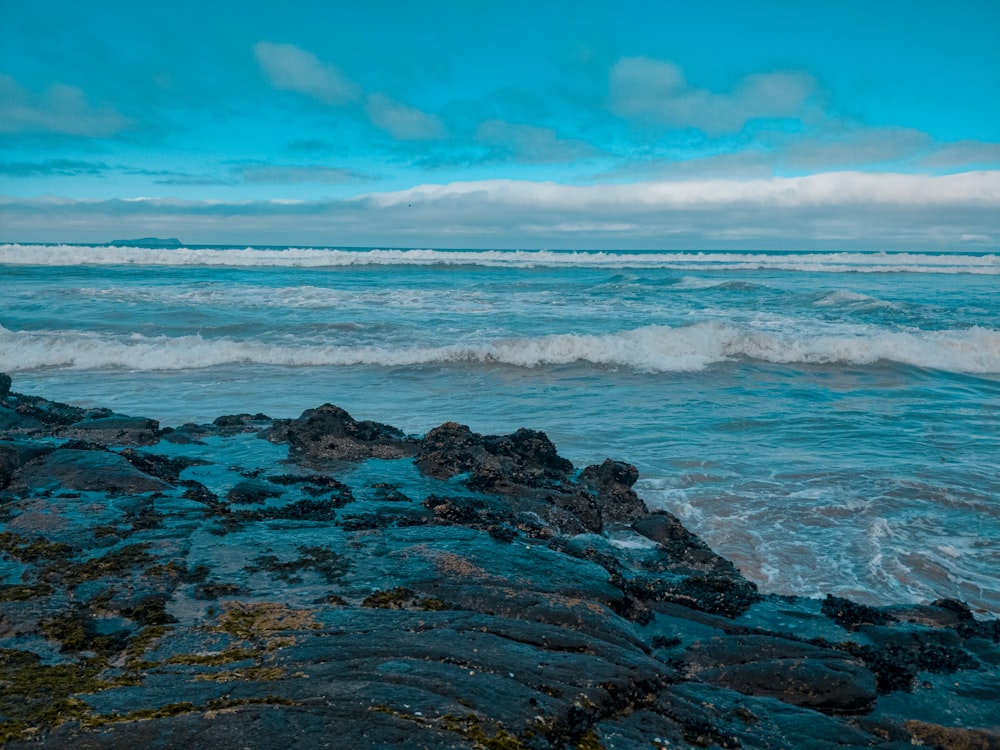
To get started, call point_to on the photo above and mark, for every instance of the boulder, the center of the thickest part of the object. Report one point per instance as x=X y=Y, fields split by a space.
x=611 y=483
x=330 y=433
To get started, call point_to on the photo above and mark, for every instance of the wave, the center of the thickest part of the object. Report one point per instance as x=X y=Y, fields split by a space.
x=843 y=298
x=690 y=348
x=250 y=257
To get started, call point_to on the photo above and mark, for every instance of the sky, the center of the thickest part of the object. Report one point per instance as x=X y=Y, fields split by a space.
x=635 y=125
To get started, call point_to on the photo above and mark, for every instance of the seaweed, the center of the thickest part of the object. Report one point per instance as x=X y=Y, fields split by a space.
x=322 y=560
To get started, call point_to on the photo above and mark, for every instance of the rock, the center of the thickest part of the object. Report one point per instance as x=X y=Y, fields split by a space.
x=900 y=653
x=469 y=601
x=87 y=470
x=679 y=544
x=251 y=491
x=611 y=482
x=5 y=383
x=15 y=423
x=330 y=433
x=796 y=673
x=851 y=615
x=115 y=430
x=233 y=424
x=15 y=453
x=501 y=464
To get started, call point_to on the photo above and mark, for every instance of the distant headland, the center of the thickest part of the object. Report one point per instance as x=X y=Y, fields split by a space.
x=149 y=242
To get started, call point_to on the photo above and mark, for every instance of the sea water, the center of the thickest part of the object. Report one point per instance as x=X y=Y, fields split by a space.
x=828 y=421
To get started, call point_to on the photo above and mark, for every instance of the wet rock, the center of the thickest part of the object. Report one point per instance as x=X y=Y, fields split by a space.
x=679 y=544
x=851 y=615
x=502 y=464
x=951 y=738
x=234 y=424
x=16 y=453
x=31 y=411
x=251 y=491
x=611 y=482
x=115 y=430
x=796 y=673
x=5 y=383
x=162 y=467
x=329 y=433
x=900 y=653
x=88 y=470
x=518 y=605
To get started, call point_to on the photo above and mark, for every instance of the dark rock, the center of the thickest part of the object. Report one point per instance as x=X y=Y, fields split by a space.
x=99 y=471
x=852 y=615
x=234 y=424
x=680 y=545
x=484 y=612
x=115 y=430
x=796 y=673
x=49 y=414
x=900 y=653
x=329 y=433
x=727 y=595
x=5 y=383
x=502 y=464
x=250 y=491
x=162 y=467
x=16 y=453
x=612 y=482
x=14 y=423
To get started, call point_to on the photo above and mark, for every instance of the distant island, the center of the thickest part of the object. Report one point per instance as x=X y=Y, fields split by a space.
x=149 y=242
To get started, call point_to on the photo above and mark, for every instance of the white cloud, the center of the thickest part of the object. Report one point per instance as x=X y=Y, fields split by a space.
x=401 y=121
x=61 y=109
x=290 y=68
x=655 y=91
x=528 y=143
x=829 y=189
x=837 y=210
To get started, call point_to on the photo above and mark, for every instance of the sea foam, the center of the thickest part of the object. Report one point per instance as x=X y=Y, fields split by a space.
x=649 y=349
x=250 y=257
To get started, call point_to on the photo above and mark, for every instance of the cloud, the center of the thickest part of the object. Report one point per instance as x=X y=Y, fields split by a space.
x=655 y=91
x=53 y=168
x=824 y=190
x=401 y=121
x=528 y=143
x=290 y=68
x=299 y=174
x=856 y=148
x=61 y=109
x=967 y=154
x=837 y=210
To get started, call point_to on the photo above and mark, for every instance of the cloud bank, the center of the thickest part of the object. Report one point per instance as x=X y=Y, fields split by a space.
x=843 y=210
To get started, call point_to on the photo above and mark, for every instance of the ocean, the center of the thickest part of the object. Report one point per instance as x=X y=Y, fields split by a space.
x=828 y=421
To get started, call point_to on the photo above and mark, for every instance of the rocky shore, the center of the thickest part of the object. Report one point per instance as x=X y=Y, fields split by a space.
x=327 y=582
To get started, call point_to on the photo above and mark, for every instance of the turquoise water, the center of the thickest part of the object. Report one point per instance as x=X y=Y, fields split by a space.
x=829 y=421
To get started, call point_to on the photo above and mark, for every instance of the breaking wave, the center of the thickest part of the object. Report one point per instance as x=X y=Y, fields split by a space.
x=974 y=350
x=250 y=257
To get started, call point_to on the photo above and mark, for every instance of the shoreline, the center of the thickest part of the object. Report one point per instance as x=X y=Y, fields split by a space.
x=189 y=584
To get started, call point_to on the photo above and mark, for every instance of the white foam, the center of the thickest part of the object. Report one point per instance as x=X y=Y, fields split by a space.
x=81 y=255
x=650 y=349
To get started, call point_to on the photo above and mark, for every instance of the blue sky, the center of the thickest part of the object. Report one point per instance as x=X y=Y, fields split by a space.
x=856 y=125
